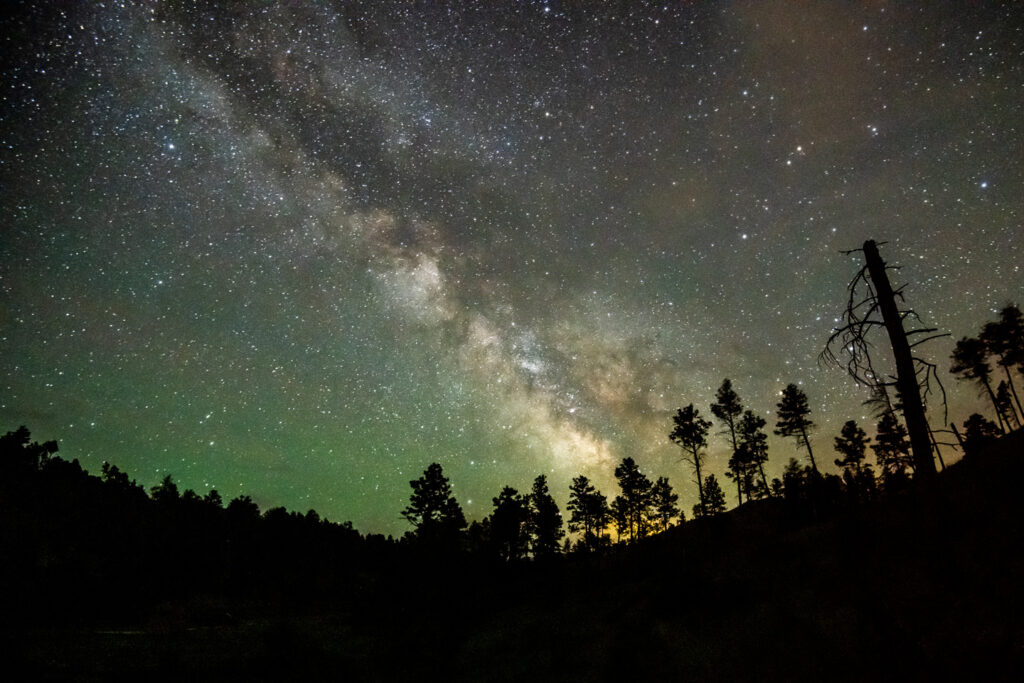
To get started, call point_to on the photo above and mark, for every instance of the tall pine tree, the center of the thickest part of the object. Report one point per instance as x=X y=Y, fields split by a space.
x=970 y=362
x=545 y=520
x=755 y=441
x=892 y=450
x=1004 y=339
x=433 y=509
x=852 y=444
x=664 y=502
x=635 y=499
x=793 y=421
x=588 y=513
x=691 y=434
x=509 y=524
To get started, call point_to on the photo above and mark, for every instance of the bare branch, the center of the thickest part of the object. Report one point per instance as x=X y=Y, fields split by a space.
x=849 y=346
x=928 y=339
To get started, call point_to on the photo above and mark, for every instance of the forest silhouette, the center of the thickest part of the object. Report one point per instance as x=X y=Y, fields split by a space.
x=874 y=572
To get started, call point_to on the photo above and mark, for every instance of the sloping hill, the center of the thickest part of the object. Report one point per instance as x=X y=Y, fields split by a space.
x=924 y=585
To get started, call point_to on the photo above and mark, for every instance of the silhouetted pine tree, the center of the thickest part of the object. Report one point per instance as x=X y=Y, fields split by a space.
x=970 y=362
x=714 y=502
x=166 y=492
x=1004 y=403
x=243 y=509
x=727 y=408
x=545 y=520
x=19 y=457
x=618 y=514
x=852 y=444
x=635 y=502
x=742 y=470
x=213 y=498
x=433 y=509
x=665 y=504
x=691 y=434
x=892 y=450
x=589 y=513
x=755 y=441
x=793 y=421
x=978 y=434
x=510 y=525
x=793 y=476
x=1005 y=340
x=858 y=476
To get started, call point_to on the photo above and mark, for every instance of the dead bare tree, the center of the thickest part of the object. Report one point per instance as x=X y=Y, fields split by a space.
x=872 y=304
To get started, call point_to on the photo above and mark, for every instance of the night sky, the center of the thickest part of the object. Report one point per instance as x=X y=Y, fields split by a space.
x=301 y=250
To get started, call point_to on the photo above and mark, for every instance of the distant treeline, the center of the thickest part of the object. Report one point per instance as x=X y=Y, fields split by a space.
x=78 y=544
x=100 y=546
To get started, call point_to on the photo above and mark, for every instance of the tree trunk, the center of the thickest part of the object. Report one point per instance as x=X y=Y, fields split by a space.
x=1013 y=390
x=700 y=483
x=810 y=453
x=739 y=483
x=995 y=404
x=906 y=375
x=935 y=445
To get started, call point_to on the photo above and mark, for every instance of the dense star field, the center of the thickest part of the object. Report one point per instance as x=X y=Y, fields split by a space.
x=302 y=249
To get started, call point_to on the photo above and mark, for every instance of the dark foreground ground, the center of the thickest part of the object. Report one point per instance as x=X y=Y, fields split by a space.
x=927 y=585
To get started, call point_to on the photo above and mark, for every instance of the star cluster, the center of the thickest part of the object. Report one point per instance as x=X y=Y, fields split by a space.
x=303 y=249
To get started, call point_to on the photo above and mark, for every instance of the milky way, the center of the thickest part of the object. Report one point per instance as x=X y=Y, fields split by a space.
x=301 y=250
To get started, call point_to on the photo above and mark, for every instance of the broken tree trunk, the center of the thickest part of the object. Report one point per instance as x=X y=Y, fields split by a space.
x=906 y=375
